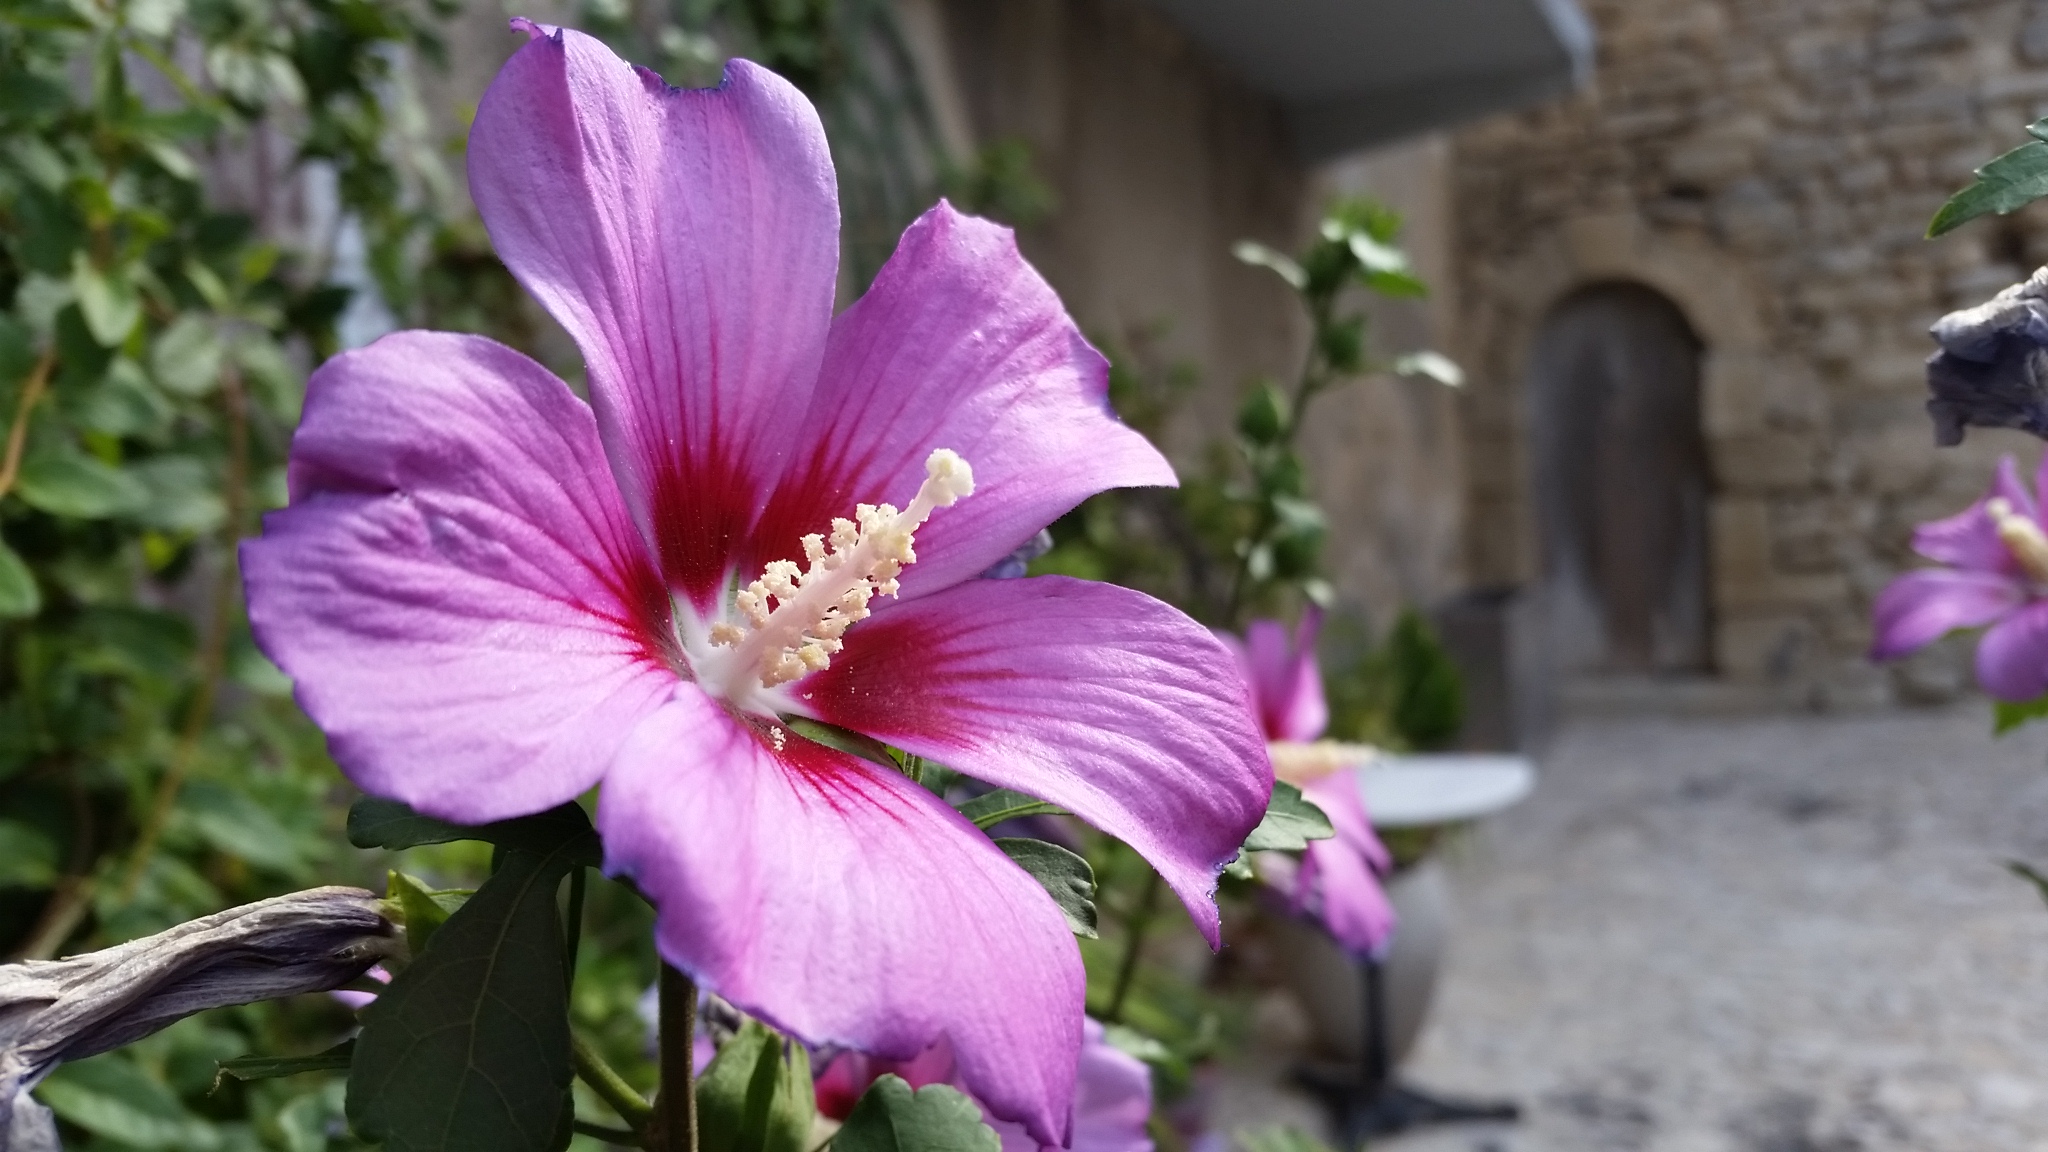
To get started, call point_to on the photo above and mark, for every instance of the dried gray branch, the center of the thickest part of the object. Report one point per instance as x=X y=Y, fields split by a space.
x=57 y=1010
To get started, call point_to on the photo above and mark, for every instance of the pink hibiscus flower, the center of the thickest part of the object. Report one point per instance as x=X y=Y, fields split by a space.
x=1111 y=1108
x=1996 y=573
x=494 y=597
x=1338 y=879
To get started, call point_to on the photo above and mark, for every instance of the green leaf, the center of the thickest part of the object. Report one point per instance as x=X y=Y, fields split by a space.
x=1066 y=877
x=187 y=357
x=110 y=1096
x=843 y=739
x=28 y=857
x=1254 y=253
x=108 y=301
x=1435 y=365
x=182 y=495
x=935 y=1118
x=425 y=909
x=992 y=808
x=123 y=402
x=276 y=1067
x=2008 y=715
x=1263 y=417
x=1291 y=821
x=19 y=596
x=70 y=483
x=468 y=1049
x=232 y=822
x=2010 y=182
x=756 y=1096
x=374 y=822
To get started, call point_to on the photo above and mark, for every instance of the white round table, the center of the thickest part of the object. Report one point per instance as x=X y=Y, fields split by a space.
x=1423 y=790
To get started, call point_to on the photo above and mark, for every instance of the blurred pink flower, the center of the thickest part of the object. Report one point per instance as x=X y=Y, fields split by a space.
x=1112 y=1103
x=493 y=596
x=1338 y=879
x=1995 y=572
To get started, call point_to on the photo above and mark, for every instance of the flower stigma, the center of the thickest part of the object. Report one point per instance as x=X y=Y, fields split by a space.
x=791 y=621
x=2022 y=537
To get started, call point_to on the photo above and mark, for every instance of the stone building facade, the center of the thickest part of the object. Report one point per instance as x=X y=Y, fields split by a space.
x=1768 y=167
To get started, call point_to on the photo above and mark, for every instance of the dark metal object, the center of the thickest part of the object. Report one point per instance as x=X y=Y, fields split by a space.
x=1368 y=1100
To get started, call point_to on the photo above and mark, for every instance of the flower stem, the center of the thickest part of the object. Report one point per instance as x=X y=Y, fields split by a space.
x=17 y=432
x=1139 y=923
x=675 y=1122
x=609 y=1085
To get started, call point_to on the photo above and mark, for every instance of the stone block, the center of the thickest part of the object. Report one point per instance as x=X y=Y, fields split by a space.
x=1763 y=461
x=1765 y=649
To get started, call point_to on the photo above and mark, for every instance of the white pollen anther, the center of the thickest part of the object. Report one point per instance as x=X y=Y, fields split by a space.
x=2021 y=536
x=791 y=621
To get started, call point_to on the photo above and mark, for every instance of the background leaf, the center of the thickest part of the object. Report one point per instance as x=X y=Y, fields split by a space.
x=935 y=1118
x=992 y=808
x=1067 y=878
x=468 y=1050
x=2010 y=182
x=19 y=596
x=1291 y=821
x=756 y=1096
x=374 y=822
x=76 y=485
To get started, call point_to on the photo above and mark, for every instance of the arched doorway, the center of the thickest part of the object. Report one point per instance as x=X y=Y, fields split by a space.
x=1621 y=483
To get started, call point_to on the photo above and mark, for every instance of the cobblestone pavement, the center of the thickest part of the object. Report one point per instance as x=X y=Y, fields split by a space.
x=1772 y=934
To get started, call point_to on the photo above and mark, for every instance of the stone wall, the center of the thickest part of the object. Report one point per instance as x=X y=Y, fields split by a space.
x=1770 y=166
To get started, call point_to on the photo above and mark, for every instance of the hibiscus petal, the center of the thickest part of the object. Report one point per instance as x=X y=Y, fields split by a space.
x=688 y=240
x=960 y=345
x=1111 y=1108
x=1969 y=539
x=845 y=904
x=1285 y=678
x=1345 y=869
x=2012 y=659
x=456 y=589
x=1097 y=698
x=1921 y=607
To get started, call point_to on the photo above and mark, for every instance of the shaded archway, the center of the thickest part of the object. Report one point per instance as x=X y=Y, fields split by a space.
x=1621 y=482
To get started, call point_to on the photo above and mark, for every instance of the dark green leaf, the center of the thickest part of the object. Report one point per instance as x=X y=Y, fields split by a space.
x=992 y=808
x=374 y=822
x=756 y=1096
x=232 y=822
x=107 y=300
x=70 y=483
x=274 y=1067
x=1262 y=418
x=1291 y=821
x=2008 y=715
x=468 y=1050
x=844 y=739
x=19 y=596
x=935 y=1118
x=1066 y=877
x=28 y=857
x=110 y=1096
x=2010 y=182
x=182 y=495
x=187 y=357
